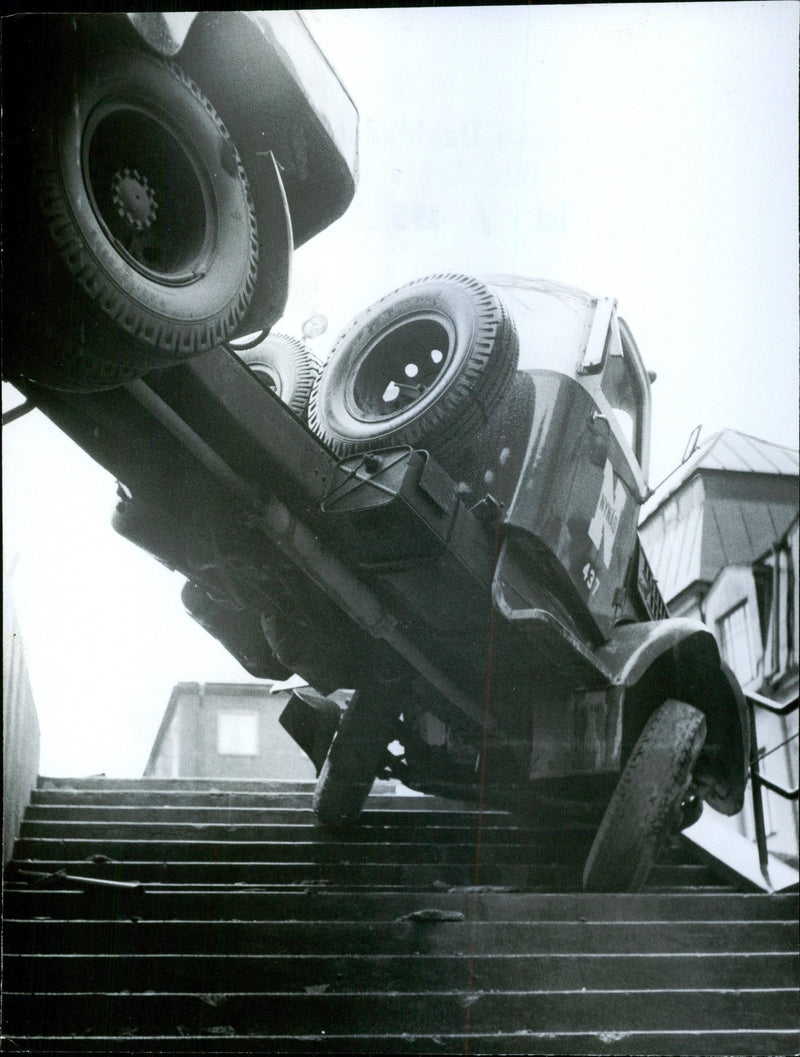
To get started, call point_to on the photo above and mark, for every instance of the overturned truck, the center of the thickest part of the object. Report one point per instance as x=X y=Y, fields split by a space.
x=442 y=517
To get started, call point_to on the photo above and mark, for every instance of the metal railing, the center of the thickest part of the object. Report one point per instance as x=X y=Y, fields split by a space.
x=758 y=782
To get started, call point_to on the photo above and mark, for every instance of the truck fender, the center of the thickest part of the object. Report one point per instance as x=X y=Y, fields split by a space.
x=679 y=658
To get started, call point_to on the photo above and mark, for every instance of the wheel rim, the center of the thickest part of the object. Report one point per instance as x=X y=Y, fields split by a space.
x=149 y=193
x=400 y=368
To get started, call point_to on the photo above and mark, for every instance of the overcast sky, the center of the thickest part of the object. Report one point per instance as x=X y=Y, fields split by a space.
x=642 y=151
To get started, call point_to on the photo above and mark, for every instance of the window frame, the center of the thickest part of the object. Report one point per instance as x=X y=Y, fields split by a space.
x=239 y=713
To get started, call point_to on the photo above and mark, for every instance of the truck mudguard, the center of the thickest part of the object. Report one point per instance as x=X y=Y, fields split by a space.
x=690 y=669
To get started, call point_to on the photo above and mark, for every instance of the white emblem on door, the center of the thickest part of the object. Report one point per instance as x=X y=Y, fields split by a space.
x=604 y=524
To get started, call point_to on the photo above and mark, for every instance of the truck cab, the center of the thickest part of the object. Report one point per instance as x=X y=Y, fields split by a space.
x=585 y=471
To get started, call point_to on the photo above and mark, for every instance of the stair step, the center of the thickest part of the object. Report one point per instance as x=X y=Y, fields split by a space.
x=257 y=785
x=251 y=830
x=214 y=797
x=269 y=851
x=164 y=810
x=317 y=904
x=745 y=1042
x=554 y=876
x=367 y=1012
x=431 y=927
x=420 y=937
x=357 y=972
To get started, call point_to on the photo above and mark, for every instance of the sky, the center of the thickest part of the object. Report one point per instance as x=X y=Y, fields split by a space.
x=646 y=152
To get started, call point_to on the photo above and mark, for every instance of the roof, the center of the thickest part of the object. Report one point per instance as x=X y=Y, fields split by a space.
x=727 y=450
x=725 y=505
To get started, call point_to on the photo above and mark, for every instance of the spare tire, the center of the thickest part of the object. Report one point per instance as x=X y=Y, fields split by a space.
x=425 y=366
x=143 y=238
x=286 y=366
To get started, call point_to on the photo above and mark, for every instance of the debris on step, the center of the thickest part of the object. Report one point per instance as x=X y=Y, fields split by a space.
x=432 y=914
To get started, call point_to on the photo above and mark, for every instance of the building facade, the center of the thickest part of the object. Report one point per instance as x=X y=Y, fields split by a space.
x=226 y=730
x=721 y=535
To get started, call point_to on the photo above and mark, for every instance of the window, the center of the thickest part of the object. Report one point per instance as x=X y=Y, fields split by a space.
x=237 y=733
x=623 y=392
x=736 y=642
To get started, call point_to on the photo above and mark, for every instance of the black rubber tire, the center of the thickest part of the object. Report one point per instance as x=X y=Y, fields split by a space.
x=453 y=334
x=286 y=366
x=647 y=801
x=106 y=213
x=344 y=783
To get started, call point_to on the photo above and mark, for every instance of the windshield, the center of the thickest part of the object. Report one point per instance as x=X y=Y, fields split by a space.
x=621 y=388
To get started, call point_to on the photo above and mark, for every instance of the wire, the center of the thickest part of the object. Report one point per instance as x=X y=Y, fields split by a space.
x=768 y=752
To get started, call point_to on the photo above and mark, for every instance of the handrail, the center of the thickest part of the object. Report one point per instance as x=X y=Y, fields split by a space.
x=757 y=781
x=759 y=701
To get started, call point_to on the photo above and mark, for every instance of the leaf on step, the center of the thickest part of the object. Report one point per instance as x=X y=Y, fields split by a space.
x=221 y=1029
x=214 y=1000
x=433 y=914
x=316 y=989
x=98 y=858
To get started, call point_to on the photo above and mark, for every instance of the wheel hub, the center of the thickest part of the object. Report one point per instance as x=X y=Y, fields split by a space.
x=134 y=199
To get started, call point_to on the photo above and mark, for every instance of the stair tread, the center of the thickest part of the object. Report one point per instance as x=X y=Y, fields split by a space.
x=282 y=1012
x=483 y=904
x=709 y=1041
x=250 y=926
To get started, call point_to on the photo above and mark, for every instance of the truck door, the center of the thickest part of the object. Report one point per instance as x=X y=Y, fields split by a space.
x=571 y=523
x=608 y=483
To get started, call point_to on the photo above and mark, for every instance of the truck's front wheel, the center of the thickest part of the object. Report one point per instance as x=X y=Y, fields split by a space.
x=648 y=799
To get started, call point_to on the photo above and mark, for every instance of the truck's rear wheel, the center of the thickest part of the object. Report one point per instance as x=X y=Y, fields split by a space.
x=647 y=801
x=286 y=366
x=351 y=766
x=144 y=234
x=425 y=366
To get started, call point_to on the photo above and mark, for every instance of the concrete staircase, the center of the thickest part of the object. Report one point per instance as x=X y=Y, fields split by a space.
x=235 y=923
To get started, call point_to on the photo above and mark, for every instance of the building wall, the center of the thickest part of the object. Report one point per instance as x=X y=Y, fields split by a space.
x=724 y=549
x=753 y=612
x=730 y=608
x=227 y=730
x=20 y=730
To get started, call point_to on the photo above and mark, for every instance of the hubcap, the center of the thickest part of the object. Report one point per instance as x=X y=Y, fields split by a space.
x=150 y=192
x=400 y=368
x=134 y=198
